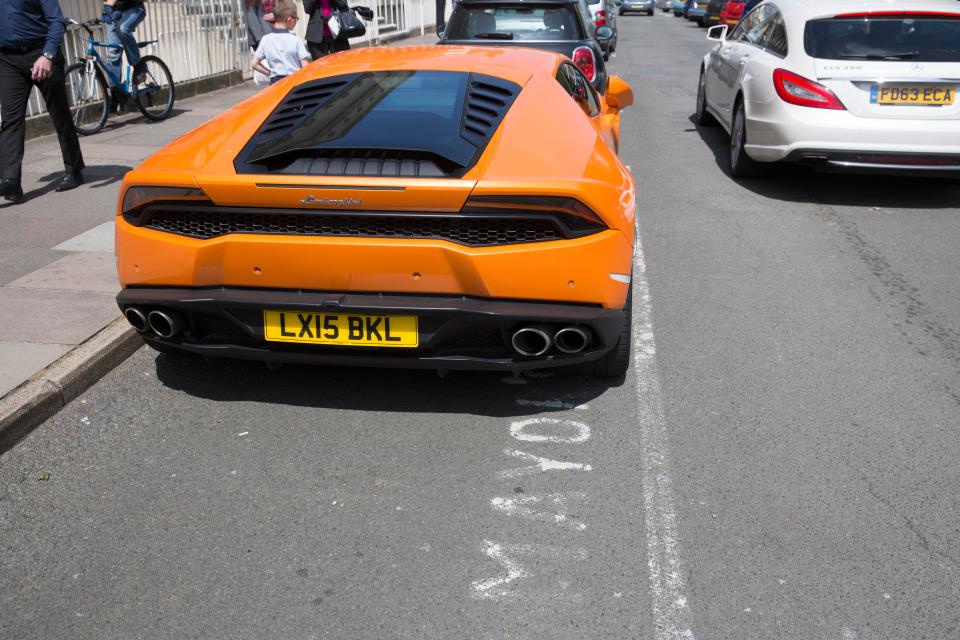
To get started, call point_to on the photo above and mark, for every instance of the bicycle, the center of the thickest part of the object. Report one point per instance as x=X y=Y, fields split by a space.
x=90 y=80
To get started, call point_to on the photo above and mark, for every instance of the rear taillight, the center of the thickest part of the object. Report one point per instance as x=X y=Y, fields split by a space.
x=601 y=18
x=898 y=14
x=805 y=93
x=577 y=217
x=583 y=58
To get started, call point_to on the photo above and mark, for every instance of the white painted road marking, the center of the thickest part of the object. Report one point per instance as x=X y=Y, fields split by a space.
x=522 y=506
x=580 y=432
x=667 y=588
x=506 y=554
x=539 y=464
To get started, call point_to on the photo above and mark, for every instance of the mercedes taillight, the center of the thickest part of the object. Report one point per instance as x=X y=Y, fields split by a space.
x=800 y=91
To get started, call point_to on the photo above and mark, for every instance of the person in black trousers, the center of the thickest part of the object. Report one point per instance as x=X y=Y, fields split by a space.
x=320 y=41
x=441 y=16
x=31 y=32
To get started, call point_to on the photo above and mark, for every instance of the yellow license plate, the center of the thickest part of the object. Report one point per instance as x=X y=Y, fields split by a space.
x=344 y=329
x=925 y=95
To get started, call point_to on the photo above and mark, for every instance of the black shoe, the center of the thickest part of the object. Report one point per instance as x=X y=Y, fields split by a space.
x=12 y=191
x=70 y=181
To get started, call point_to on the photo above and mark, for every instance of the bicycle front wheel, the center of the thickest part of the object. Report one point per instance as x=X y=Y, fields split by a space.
x=153 y=88
x=87 y=96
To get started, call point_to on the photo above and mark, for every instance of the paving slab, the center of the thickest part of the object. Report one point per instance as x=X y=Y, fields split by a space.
x=69 y=317
x=100 y=238
x=113 y=151
x=81 y=271
x=22 y=359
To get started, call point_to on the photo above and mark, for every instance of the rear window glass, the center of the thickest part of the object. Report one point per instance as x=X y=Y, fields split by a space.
x=513 y=23
x=393 y=110
x=923 y=39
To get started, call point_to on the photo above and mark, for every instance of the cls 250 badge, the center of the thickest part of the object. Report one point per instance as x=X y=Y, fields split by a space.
x=340 y=329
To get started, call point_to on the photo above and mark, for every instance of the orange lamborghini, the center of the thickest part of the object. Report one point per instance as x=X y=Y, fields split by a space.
x=441 y=207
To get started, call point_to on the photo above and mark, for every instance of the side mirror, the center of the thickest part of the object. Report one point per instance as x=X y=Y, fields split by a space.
x=717 y=33
x=619 y=94
x=604 y=33
x=617 y=3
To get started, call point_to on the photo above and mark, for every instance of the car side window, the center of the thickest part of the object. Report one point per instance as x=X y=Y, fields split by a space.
x=747 y=22
x=579 y=89
x=756 y=31
x=775 y=36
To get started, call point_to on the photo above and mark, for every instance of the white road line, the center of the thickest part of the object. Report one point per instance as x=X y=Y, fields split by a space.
x=667 y=588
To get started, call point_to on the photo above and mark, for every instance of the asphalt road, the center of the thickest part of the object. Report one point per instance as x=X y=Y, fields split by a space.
x=780 y=463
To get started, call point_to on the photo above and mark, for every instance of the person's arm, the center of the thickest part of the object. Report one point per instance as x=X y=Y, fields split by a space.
x=303 y=53
x=55 y=26
x=43 y=66
x=256 y=26
x=256 y=64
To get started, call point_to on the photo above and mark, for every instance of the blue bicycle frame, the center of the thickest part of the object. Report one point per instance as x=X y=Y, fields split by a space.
x=118 y=82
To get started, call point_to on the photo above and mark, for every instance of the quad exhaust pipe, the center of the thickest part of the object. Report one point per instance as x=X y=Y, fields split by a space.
x=165 y=324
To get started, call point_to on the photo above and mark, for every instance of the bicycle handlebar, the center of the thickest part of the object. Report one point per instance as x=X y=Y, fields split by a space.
x=87 y=24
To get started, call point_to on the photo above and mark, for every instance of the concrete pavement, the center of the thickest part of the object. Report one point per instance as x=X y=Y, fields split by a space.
x=57 y=274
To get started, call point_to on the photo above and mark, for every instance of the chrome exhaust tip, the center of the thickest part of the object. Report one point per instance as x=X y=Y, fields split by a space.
x=165 y=325
x=530 y=341
x=571 y=340
x=136 y=318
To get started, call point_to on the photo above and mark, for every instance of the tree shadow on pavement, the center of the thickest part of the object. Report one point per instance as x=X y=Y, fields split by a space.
x=369 y=389
x=794 y=183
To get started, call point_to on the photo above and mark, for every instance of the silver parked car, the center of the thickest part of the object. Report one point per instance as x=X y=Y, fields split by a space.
x=646 y=6
x=603 y=13
x=838 y=83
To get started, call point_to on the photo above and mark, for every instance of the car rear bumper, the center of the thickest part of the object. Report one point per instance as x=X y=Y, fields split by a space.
x=454 y=332
x=693 y=12
x=778 y=131
x=571 y=270
x=637 y=6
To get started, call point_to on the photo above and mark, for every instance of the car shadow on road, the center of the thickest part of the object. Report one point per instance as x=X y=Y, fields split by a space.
x=369 y=389
x=794 y=183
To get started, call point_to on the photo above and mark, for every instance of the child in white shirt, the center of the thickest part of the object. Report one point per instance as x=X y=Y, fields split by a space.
x=281 y=52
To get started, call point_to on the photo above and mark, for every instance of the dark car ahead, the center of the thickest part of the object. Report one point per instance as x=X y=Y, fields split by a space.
x=563 y=26
x=714 y=9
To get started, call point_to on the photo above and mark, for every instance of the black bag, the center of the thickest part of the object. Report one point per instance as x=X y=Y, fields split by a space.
x=350 y=24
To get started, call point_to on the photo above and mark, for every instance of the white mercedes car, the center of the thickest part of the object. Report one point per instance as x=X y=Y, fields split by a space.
x=865 y=85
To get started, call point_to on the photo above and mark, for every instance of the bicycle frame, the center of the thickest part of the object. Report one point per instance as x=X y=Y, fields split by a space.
x=93 y=56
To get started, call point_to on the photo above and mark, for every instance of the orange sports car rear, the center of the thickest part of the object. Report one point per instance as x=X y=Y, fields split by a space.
x=442 y=207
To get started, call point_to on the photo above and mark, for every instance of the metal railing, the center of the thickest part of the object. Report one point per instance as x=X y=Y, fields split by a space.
x=204 y=38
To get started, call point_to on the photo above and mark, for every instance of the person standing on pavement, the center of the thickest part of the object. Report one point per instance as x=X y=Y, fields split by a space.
x=320 y=40
x=281 y=52
x=258 y=16
x=122 y=18
x=31 y=32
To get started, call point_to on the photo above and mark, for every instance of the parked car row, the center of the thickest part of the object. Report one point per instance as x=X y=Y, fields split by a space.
x=712 y=12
